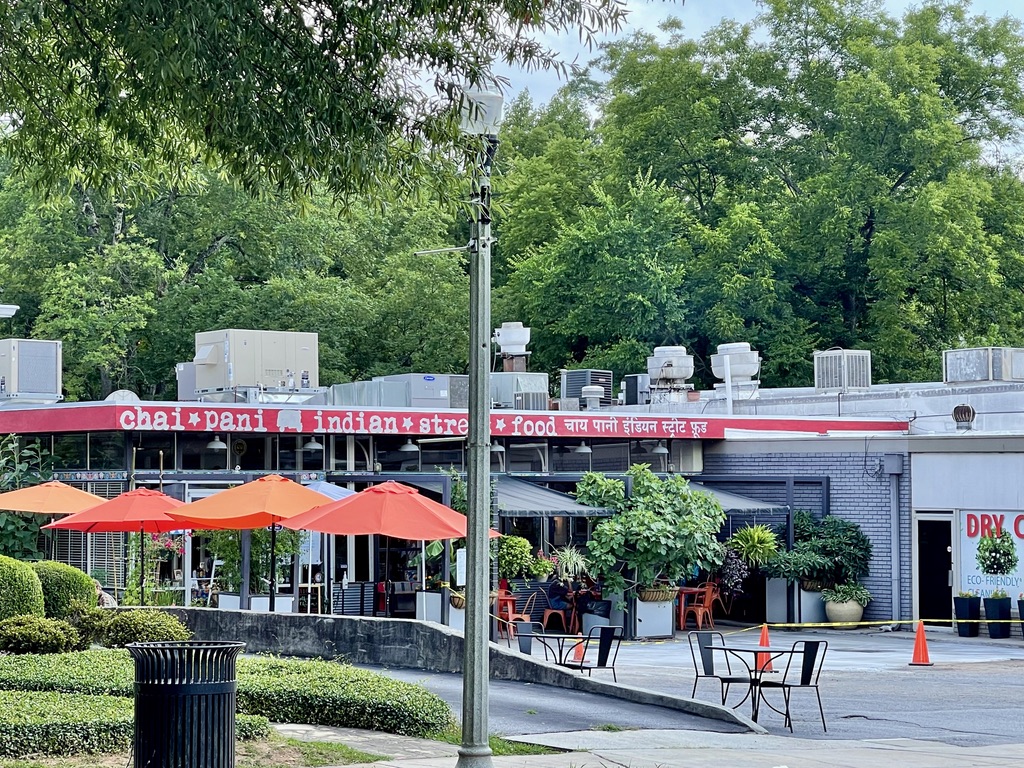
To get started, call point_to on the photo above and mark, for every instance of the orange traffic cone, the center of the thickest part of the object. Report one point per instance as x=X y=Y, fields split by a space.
x=764 y=660
x=920 y=648
x=577 y=651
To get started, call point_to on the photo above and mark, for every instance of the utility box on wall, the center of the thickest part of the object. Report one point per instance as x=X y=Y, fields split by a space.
x=269 y=359
x=30 y=370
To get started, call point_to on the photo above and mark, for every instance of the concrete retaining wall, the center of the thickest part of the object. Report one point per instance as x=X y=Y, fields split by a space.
x=416 y=645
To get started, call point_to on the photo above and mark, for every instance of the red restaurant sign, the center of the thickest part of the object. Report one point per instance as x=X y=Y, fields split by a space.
x=205 y=417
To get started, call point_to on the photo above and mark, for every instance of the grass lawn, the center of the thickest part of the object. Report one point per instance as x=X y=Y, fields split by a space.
x=275 y=752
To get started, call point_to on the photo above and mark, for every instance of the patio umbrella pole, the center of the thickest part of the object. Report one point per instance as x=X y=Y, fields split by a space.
x=273 y=564
x=142 y=566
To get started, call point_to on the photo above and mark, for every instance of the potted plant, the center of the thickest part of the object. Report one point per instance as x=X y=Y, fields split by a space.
x=661 y=533
x=515 y=557
x=997 y=556
x=755 y=544
x=571 y=563
x=845 y=603
x=1020 y=611
x=967 y=609
x=542 y=566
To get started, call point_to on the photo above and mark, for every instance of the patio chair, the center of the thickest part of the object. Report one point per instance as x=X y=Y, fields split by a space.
x=549 y=612
x=524 y=632
x=812 y=657
x=605 y=639
x=700 y=607
x=704 y=663
x=522 y=615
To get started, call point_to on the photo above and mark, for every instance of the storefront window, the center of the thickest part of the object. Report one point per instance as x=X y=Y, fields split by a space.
x=106 y=450
x=442 y=454
x=70 y=451
x=398 y=454
x=147 y=451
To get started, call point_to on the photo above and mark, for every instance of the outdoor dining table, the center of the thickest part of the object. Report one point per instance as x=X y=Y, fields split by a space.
x=756 y=667
x=561 y=645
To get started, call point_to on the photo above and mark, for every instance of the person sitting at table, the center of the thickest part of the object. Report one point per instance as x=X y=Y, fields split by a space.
x=558 y=595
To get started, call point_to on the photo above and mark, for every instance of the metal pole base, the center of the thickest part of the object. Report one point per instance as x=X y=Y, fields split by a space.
x=474 y=757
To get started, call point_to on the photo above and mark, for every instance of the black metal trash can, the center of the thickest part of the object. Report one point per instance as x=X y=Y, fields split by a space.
x=185 y=704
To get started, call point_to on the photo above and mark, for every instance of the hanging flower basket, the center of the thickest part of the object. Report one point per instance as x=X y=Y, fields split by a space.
x=656 y=594
x=457 y=600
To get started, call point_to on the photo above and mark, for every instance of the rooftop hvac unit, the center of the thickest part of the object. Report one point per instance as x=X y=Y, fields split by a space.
x=842 y=370
x=505 y=386
x=638 y=389
x=426 y=390
x=982 y=364
x=573 y=382
x=30 y=370
x=458 y=391
x=186 y=376
x=531 y=401
x=234 y=358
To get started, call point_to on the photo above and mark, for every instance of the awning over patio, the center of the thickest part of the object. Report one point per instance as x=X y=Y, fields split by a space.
x=521 y=498
x=733 y=502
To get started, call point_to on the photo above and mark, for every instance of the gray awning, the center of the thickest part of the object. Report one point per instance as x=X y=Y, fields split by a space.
x=521 y=498
x=733 y=502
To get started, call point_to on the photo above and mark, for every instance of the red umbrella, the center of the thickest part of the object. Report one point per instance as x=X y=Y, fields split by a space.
x=391 y=509
x=140 y=510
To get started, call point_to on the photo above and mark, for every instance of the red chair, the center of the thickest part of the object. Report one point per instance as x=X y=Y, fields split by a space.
x=549 y=612
x=700 y=606
x=523 y=615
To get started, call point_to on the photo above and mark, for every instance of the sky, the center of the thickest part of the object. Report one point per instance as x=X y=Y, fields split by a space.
x=697 y=16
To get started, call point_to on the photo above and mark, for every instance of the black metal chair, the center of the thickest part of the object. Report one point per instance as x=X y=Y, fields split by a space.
x=524 y=634
x=812 y=657
x=606 y=639
x=704 y=663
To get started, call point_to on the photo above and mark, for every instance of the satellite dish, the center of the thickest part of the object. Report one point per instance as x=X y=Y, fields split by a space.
x=122 y=396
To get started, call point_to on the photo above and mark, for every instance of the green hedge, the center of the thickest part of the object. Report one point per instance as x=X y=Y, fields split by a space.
x=143 y=626
x=328 y=693
x=20 y=590
x=62 y=584
x=289 y=691
x=34 y=634
x=48 y=723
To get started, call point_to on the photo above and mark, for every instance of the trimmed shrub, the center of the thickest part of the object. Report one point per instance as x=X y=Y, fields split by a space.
x=35 y=634
x=294 y=691
x=90 y=621
x=20 y=590
x=143 y=626
x=329 y=693
x=46 y=723
x=62 y=584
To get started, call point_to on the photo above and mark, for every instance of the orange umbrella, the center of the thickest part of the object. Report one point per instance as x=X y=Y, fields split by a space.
x=257 y=504
x=52 y=498
x=391 y=509
x=140 y=510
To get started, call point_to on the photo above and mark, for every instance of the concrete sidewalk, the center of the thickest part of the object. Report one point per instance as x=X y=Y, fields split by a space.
x=673 y=749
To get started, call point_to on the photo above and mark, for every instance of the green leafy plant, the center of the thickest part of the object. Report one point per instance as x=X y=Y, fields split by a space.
x=660 y=533
x=842 y=593
x=35 y=634
x=967 y=593
x=756 y=544
x=514 y=557
x=997 y=554
x=21 y=465
x=571 y=563
x=62 y=585
x=20 y=589
x=226 y=546
x=90 y=621
x=143 y=626
x=542 y=565
x=825 y=552
x=998 y=593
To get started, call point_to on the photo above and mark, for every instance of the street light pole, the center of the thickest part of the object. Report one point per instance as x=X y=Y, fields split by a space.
x=480 y=118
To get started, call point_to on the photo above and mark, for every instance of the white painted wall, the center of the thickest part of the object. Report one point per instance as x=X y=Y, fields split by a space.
x=982 y=481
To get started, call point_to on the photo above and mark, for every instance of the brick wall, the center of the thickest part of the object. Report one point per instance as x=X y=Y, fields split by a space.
x=858 y=491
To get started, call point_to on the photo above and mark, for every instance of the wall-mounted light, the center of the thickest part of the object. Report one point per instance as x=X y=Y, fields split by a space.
x=409 y=447
x=216 y=444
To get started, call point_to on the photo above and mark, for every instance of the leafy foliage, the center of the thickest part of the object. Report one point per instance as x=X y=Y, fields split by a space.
x=227 y=546
x=842 y=593
x=90 y=621
x=756 y=544
x=515 y=558
x=63 y=585
x=143 y=626
x=21 y=465
x=20 y=589
x=997 y=553
x=828 y=552
x=662 y=532
x=35 y=634
x=732 y=572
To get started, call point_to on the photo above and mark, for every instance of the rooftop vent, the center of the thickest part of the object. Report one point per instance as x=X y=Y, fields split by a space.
x=842 y=370
x=982 y=364
x=573 y=382
x=512 y=338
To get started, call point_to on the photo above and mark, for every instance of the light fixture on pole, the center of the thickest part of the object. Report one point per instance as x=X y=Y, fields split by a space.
x=216 y=444
x=481 y=113
x=313 y=445
x=409 y=447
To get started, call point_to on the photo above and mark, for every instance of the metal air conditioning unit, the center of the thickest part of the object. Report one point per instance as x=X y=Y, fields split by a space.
x=574 y=380
x=982 y=364
x=842 y=370
x=232 y=358
x=30 y=370
x=531 y=401
x=505 y=387
x=637 y=387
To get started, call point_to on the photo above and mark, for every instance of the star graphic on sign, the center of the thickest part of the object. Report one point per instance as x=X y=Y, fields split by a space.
x=406 y=423
x=193 y=419
x=499 y=424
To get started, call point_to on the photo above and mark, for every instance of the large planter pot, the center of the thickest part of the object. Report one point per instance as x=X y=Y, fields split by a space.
x=998 y=609
x=1020 y=614
x=845 y=614
x=967 y=608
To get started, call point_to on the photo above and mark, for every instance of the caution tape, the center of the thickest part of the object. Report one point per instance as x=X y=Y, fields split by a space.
x=848 y=624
